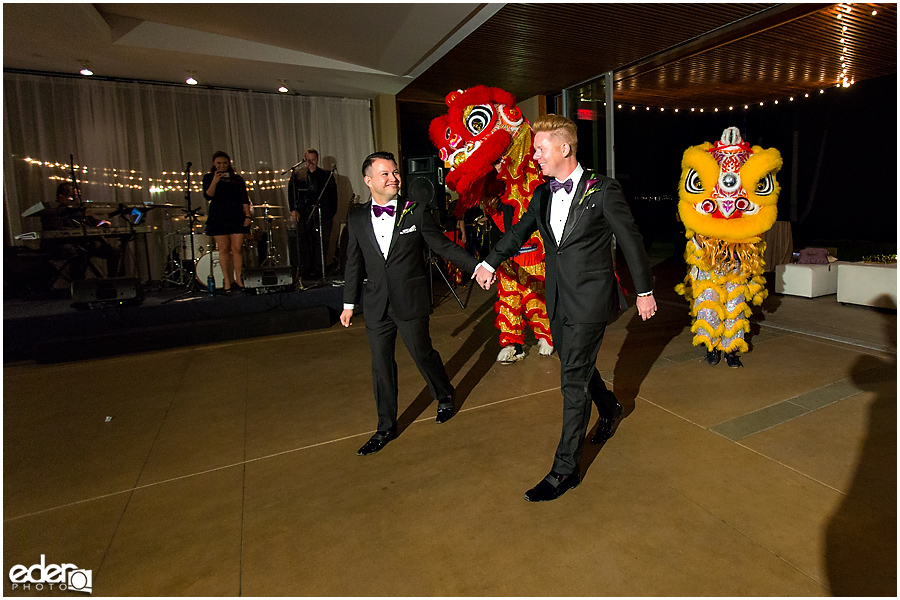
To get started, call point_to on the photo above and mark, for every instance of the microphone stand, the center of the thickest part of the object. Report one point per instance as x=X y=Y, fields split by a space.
x=192 y=218
x=302 y=160
x=294 y=197
x=318 y=206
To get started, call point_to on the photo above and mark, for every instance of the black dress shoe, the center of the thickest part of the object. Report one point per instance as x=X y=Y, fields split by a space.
x=552 y=487
x=444 y=412
x=713 y=357
x=732 y=359
x=607 y=423
x=377 y=442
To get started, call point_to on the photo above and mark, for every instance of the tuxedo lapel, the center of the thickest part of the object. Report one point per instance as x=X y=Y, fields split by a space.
x=575 y=211
x=365 y=217
x=544 y=195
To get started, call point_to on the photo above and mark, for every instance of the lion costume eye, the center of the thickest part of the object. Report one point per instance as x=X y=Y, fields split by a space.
x=766 y=185
x=692 y=183
x=480 y=117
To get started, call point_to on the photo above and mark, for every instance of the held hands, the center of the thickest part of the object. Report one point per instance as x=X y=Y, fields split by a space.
x=484 y=277
x=346 y=315
x=646 y=306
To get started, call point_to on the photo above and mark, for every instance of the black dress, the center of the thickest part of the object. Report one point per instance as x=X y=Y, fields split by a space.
x=226 y=208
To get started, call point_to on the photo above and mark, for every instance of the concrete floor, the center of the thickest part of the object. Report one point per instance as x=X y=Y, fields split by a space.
x=231 y=469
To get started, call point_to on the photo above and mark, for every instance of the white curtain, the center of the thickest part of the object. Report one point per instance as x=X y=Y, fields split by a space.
x=131 y=142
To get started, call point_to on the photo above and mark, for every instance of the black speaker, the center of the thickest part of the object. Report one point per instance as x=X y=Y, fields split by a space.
x=112 y=291
x=263 y=280
x=425 y=182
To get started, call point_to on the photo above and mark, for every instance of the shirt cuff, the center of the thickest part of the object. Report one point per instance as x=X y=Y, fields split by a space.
x=349 y=306
x=650 y=293
x=487 y=267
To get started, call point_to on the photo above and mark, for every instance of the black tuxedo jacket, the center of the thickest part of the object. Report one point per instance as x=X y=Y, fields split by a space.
x=580 y=277
x=401 y=279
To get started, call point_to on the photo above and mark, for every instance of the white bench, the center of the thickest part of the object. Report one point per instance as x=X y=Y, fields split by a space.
x=808 y=281
x=869 y=284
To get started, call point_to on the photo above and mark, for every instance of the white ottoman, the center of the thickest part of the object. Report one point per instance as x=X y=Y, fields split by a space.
x=808 y=281
x=869 y=284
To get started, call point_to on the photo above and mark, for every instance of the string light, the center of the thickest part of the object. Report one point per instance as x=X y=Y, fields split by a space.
x=107 y=177
x=747 y=106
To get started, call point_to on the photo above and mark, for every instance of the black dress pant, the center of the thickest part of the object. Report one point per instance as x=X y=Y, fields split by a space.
x=578 y=345
x=382 y=340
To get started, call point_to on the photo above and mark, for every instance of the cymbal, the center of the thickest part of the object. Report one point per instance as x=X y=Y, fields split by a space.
x=268 y=217
x=265 y=206
x=164 y=205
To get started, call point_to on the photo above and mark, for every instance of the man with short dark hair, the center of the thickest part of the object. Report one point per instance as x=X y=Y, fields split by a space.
x=386 y=244
x=577 y=213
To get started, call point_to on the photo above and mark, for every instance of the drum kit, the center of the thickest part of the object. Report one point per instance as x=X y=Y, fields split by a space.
x=182 y=264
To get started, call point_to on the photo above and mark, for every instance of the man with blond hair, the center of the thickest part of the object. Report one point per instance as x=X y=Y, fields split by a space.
x=577 y=214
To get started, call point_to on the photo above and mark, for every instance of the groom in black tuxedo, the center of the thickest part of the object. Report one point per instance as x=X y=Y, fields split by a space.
x=387 y=244
x=577 y=213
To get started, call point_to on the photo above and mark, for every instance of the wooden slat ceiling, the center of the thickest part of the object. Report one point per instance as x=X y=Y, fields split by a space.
x=669 y=55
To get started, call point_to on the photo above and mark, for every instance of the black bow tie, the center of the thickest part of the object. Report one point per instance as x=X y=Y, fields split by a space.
x=555 y=186
x=380 y=210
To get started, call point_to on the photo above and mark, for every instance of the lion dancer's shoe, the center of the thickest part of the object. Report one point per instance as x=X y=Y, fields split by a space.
x=511 y=354
x=544 y=349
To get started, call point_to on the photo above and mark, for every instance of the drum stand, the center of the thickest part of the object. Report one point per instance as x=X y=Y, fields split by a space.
x=192 y=219
x=272 y=256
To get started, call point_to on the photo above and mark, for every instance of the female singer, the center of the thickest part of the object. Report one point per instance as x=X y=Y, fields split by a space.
x=228 y=217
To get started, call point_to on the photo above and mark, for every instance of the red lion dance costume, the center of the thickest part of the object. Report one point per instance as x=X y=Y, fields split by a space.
x=486 y=143
x=727 y=198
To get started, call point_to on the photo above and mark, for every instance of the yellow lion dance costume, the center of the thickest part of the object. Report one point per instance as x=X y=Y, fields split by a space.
x=486 y=143
x=727 y=198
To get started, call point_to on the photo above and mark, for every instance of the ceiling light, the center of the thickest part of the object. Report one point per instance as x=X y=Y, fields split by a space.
x=283 y=88
x=874 y=12
x=85 y=68
x=190 y=80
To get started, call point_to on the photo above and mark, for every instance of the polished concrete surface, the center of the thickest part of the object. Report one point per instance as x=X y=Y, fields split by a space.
x=231 y=469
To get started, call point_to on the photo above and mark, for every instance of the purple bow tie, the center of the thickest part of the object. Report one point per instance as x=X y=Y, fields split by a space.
x=555 y=186
x=380 y=210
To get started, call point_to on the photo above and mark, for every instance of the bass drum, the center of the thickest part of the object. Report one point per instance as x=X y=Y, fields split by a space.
x=209 y=263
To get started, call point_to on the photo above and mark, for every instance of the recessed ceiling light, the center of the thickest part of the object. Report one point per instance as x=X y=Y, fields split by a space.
x=190 y=80
x=85 y=68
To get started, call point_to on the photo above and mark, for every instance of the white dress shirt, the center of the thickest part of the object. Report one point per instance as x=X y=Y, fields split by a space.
x=561 y=202
x=384 y=227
